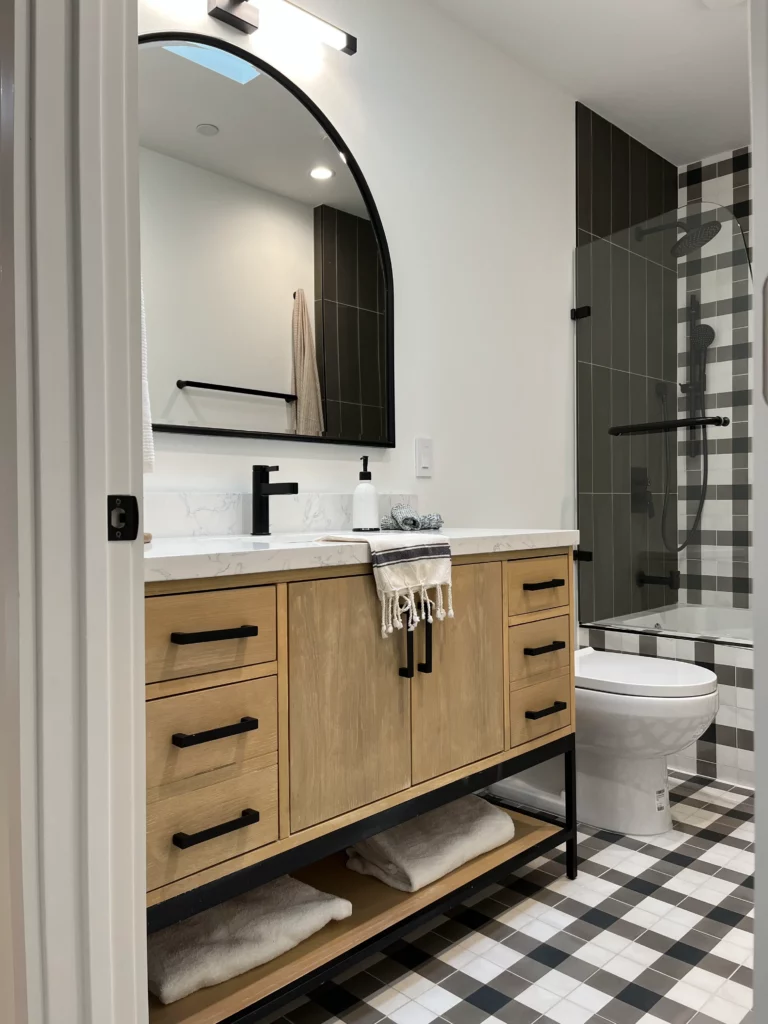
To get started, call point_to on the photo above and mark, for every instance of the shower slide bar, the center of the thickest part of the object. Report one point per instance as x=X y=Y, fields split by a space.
x=664 y=426
x=181 y=384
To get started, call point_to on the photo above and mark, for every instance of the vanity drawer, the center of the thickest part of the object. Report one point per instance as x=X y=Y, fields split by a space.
x=189 y=634
x=198 y=732
x=536 y=584
x=544 y=700
x=539 y=649
x=192 y=818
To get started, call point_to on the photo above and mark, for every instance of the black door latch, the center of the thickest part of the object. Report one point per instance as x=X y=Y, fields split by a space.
x=122 y=517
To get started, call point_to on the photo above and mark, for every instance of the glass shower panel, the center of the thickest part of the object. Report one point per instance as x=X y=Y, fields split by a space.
x=665 y=514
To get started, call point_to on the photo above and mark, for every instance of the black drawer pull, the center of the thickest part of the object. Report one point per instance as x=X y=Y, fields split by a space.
x=184 y=840
x=556 y=708
x=426 y=665
x=209 y=635
x=544 y=585
x=407 y=672
x=534 y=652
x=182 y=739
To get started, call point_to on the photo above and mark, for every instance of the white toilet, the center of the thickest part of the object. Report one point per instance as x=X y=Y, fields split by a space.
x=631 y=714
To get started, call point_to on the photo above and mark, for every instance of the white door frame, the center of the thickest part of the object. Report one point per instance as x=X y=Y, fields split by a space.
x=75 y=660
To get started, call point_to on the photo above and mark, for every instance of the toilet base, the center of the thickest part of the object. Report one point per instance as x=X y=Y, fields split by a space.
x=619 y=794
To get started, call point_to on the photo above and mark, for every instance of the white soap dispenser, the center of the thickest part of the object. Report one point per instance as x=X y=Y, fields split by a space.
x=365 y=503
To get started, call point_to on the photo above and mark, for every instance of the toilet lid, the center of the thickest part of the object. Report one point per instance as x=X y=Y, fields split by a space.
x=636 y=676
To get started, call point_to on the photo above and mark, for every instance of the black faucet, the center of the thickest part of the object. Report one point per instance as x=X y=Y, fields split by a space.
x=262 y=490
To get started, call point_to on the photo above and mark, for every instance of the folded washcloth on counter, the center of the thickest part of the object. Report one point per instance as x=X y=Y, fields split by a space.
x=411 y=855
x=403 y=517
x=405 y=567
x=237 y=936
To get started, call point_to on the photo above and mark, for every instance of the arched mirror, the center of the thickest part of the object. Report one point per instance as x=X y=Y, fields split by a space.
x=266 y=279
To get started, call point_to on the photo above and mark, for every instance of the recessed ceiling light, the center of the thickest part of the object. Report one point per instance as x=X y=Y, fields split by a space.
x=321 y=173
x=208 y=129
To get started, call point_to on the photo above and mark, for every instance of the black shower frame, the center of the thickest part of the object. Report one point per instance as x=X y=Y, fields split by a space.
x=378 y=230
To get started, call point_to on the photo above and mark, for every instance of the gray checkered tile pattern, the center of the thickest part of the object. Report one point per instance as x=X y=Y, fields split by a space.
x=715 y=567
x=651 y=932
x=726 y=750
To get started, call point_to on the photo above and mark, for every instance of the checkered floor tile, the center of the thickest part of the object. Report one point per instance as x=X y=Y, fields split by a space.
x=655 y=932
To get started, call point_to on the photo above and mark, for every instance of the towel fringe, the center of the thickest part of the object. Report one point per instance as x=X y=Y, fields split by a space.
x=398 y=604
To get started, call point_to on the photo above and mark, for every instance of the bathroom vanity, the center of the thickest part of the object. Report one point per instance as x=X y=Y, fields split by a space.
x=281 y=728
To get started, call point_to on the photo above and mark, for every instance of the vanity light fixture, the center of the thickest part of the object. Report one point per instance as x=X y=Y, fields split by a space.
x=321 y=173
x=244 y=16
x=239 y=14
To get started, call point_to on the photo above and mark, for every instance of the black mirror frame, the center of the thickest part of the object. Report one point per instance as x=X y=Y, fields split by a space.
x=381 y=239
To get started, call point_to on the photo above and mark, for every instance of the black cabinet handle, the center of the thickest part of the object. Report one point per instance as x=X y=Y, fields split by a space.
x=534 y=652
x=182 y=739
x=544 y=585
x=556 y=708
x=426 y=665
x=407 y=672
x=209 y=635
x=184 y=840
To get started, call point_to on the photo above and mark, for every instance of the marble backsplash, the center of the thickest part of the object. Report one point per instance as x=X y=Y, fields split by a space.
x=202 y=514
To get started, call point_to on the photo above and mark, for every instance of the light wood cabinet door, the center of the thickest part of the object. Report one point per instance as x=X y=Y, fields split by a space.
x=350 y=709
x=458 y=708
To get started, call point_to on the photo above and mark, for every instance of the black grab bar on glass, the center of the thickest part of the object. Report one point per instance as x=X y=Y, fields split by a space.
x=181 y=384
x=663 y=426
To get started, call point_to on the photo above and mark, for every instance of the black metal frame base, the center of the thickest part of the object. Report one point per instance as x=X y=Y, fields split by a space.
x=180 y=907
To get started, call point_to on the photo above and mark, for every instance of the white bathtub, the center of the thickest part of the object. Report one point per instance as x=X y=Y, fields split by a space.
x=691 y=620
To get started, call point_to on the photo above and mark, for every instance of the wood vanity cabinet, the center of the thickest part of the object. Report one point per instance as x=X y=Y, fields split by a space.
x=280 y=722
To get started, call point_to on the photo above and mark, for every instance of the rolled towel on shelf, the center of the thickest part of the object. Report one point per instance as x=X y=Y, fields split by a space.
x=418 y=852
x=404 y=517
x=237 y=936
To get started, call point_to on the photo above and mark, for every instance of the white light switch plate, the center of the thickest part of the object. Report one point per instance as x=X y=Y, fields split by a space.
x=423 y=456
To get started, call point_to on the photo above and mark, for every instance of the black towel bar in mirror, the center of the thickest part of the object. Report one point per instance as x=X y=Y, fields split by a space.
x=181 y=384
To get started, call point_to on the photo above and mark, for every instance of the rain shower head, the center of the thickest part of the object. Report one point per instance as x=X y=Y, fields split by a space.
x=694 y=238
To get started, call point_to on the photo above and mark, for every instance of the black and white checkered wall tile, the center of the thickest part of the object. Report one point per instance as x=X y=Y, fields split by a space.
x=726 y=750
x=715 y=565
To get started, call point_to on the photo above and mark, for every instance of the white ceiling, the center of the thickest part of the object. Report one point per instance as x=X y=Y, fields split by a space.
x=671 y=73
x=267 y=138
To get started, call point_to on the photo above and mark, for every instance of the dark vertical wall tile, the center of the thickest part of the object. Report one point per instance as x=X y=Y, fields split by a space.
x=346 y=257
x=331 y=346
x=351 y=421
x=601 y=176
x=584 y=427
x=620 y=414
x=320 y=344
x=601 y=421
x=669 y=321
x=622 y=555
x=333 y=419
x=654 y=165
x=619 y=181
x=619 y=308
x=583 y=168
x=585 y=570
x=318 y=235
x=584 y=298
x=638 y=413
x=637 y=313
x=367 y=266
x=638 y=182
x=654 y=345
x=601 y=302
x=655 y=441
x=349 y=356
x=602 y=505
x=329 y=252
x=369 y=358
x=373 y=420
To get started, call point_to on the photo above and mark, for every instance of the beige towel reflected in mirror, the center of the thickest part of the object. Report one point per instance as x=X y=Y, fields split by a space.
x=308 y=407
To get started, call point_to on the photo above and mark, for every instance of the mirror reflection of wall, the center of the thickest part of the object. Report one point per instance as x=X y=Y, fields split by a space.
x=245 y=201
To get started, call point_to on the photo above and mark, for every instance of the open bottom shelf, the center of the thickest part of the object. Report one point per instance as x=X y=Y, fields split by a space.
x=376 y=909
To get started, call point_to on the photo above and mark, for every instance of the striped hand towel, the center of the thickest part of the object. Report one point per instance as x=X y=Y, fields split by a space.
x=405 y=567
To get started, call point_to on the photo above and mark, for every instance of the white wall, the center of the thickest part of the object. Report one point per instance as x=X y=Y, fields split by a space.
x=220 y=263
x=471 y=161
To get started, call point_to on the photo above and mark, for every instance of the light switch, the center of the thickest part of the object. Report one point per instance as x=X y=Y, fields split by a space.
x=423 y=456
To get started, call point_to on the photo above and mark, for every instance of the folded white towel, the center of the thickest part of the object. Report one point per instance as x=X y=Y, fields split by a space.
x=405 y=567
x=237 y=936
x=411 y=855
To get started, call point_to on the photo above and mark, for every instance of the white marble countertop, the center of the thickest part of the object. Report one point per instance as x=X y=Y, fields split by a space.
x=185 y=558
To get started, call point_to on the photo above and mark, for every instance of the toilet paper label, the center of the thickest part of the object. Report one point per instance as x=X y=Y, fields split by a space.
x=661 y=799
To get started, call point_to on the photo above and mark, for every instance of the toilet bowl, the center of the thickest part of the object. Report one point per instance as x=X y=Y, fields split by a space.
x=631 y=714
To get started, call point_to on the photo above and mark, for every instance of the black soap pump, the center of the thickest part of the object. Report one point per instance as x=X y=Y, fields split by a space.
x=365 y=503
